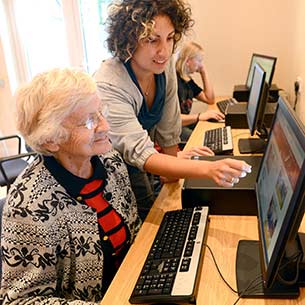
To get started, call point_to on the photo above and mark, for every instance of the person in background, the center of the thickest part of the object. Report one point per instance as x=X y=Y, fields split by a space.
x=139 y=84
x=189 y=61
x=71 y=216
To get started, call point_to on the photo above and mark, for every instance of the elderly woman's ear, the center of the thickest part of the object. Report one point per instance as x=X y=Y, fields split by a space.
x=51 y=146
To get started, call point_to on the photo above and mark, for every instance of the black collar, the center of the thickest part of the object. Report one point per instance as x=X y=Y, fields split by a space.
x=70 y=182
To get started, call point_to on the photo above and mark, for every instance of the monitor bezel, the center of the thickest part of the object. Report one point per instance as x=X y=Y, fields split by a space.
x=296 y=208
x=252 y=62
x=260 y=104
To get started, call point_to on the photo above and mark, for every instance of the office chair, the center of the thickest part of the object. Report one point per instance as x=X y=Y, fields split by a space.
x=12 y=166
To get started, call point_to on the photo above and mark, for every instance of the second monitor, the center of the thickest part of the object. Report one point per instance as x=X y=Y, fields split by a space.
x=242 y=92
x=255 y=114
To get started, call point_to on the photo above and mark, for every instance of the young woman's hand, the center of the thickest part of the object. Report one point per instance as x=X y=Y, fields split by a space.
x=227 y=172
x=195 y=151
x=211 y=114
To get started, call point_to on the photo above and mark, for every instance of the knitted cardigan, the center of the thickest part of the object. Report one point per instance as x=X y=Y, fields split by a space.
x=51 y=248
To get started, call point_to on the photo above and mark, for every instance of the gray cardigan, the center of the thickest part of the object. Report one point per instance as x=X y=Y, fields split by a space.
x=125 y=100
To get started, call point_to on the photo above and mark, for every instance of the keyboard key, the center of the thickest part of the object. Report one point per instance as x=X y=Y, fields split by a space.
x=219 y=140
x=224 y=104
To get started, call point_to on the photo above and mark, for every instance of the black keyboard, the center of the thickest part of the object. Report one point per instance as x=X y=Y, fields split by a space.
x=219 y=140
x=224 y=104
x=172 y=267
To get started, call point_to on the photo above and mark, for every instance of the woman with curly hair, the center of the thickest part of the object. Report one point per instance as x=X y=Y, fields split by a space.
x=140 y=86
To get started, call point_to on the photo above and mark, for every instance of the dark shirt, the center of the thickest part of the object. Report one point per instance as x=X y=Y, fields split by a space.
x=148 y=118
x=187 y=90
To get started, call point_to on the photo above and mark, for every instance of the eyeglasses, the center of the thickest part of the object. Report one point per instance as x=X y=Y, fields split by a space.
x=93 y=120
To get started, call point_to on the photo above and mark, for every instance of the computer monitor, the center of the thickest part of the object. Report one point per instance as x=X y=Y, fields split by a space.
x=267 y=63
x=255 y=113
x=274 y=266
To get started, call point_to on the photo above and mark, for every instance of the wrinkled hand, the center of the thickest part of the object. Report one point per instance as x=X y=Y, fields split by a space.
x=227 y=172
x=195 y=151
x=211 y=114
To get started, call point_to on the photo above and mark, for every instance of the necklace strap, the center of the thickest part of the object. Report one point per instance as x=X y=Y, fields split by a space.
x=146 y=92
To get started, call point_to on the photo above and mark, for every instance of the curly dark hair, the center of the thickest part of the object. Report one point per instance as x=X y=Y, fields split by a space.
x=131 y=20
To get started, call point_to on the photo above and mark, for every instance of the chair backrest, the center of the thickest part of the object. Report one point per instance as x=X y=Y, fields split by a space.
x=12 y=166
x=2 y=200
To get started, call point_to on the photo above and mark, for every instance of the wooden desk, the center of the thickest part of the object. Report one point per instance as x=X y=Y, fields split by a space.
x=223 y=236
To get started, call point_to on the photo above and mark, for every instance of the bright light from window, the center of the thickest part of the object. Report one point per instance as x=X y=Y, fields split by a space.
x=7 y=49
x=93 y=15
x=42 y=32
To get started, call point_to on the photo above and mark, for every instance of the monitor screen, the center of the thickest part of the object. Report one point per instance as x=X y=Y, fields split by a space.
x=267 y=63
x=255 y=105
x=280 y=187
x=255 y=112
x=280 y=193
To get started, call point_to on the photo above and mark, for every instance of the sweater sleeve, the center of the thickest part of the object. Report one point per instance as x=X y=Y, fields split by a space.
x=34 y=262
x=168 y=130
x=31 y=269
x=124 y=99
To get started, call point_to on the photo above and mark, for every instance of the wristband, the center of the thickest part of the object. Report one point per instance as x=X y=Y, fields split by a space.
x=198 y=117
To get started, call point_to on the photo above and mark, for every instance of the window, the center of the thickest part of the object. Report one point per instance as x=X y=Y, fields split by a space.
x=42 y=34
x=54 y=33
x=93 y=17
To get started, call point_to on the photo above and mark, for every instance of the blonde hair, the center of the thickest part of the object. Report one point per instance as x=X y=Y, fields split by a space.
x=44 y=103
x=189 y=50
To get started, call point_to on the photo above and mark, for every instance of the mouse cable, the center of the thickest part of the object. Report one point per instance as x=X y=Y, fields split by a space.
x=256 y=282
x=250 y=285
x=216 y=265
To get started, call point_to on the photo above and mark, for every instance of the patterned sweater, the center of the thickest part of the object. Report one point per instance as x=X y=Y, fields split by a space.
x=51 y=247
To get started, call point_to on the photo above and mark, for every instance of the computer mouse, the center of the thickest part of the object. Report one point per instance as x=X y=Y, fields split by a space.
x=212 y=120
x=215 y=121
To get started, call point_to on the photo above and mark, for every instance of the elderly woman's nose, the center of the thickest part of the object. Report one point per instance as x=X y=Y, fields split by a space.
x=102 y=124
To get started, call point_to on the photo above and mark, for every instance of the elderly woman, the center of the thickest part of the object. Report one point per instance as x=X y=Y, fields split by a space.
x=71 y=215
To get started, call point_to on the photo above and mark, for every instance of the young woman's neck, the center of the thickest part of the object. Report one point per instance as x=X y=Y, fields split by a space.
x=140 y=73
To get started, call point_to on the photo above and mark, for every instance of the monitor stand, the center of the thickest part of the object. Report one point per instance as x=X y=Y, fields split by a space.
x=251 y=146
x=249 y=274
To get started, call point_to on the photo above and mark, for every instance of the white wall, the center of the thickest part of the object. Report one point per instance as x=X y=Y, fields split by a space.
x=299 y=65
x=231 y=31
